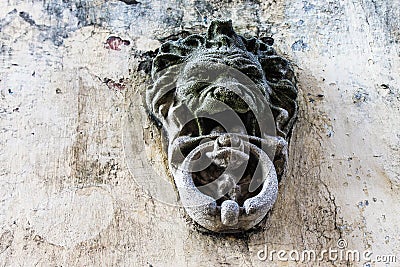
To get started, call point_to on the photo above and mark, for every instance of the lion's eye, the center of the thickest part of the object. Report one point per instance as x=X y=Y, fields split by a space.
x=192 y=87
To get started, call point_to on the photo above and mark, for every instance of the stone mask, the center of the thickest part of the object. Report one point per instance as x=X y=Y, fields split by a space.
x=226 y=105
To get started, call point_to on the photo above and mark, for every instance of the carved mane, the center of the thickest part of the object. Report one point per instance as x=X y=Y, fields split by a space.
x=278 y=71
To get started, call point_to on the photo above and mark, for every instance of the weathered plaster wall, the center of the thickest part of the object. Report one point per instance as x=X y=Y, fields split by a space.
x=78 y=153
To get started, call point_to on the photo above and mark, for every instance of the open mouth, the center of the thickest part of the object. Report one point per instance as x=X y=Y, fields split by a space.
x=224 y=182
x=227 y=181
x=223 y=122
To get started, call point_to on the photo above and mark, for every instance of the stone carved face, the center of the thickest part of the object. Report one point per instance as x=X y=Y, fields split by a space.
x=227 y=105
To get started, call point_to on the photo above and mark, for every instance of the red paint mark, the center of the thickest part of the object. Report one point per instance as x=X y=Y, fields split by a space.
x=120 y=85
x=114 y=43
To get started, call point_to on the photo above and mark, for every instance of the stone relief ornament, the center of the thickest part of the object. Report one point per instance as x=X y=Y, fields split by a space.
x=226 y=105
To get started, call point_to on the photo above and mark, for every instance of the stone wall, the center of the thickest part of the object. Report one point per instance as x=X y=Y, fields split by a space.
x=82 y=176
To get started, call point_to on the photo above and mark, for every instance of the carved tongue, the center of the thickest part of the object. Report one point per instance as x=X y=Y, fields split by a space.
x=229 y=213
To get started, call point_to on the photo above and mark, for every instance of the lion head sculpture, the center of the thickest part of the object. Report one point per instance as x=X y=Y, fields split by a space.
x=226 y=105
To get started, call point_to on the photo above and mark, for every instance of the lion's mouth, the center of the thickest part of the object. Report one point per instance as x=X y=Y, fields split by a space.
x=228 y=121
x=225 y=177
x=230 y=171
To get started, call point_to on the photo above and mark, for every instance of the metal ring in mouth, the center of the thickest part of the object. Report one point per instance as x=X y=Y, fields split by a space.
x=229 y=216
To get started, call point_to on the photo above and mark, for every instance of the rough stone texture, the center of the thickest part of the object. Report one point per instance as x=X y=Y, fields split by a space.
x=227 y=105
x=70 y=195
